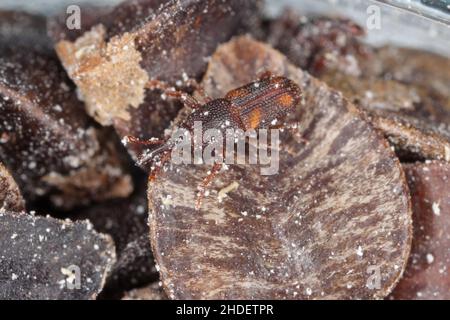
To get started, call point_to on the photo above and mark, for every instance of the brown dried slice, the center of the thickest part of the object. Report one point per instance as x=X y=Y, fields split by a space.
x=10 y=197
x=112 y=63
x=135 y=267
x=47 y=140
x=41 y=256
x=319 y=43
x=151 y=292
x=337 y=214
x=414 y=119
x=411 y=66
x=427 y=275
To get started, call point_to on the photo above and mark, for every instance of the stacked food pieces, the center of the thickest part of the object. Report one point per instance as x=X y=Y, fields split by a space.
x=357 y=209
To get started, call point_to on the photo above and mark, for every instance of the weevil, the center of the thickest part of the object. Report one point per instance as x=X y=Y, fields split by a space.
x=253 y=106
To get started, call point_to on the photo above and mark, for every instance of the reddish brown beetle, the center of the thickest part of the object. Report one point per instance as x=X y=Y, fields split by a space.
x=253 y=106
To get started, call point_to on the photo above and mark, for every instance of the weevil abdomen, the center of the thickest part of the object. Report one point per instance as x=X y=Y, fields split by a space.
x=259 y=103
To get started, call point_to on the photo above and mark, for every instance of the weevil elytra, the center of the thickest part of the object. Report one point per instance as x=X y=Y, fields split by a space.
x=253 y=106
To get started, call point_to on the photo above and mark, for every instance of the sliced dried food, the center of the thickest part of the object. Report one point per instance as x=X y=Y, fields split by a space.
x=112 y=64
x=414 y=119
x=10 y=196
x=333 y=223
x=411 y=66
x=135 y=267
x=45 y=258
x=319 y=43
x=126 y=221
x=151 y=292
x=48 y=142
x=427 y=275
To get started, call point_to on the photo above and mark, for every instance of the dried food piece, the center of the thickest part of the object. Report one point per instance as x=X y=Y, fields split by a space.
x=41 y=258
x=126 y=221
x=411 y=66
x=151 y=292
x=10 y=197
x=317 y=44
x=47 y=140
x=135 y=267
x=148 y=121
x=113 y=61
x=414 y=119
x=427 y=273
x=335 y=218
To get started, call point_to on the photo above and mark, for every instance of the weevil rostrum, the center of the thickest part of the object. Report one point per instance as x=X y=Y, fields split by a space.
x=253 y=106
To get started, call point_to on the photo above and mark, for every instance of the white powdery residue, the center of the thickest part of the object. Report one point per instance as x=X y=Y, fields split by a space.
x=447 y=153
x=167 y=200
x=430 y=258
x=14 y=235
x=308 y=291
x=14 y=276
x=359 y=251
x=436 y=208
x=140 y=209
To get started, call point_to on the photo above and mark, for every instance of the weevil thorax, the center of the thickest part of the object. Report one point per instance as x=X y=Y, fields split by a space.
x=262 y=102
x=216 y=114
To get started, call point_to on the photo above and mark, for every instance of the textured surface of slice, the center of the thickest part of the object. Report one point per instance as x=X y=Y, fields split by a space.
x=126 y=221
x=45 y=258
x=112 y=62
x=413 y=118
x=333 y=223
x=427 y=275
x=47 y=141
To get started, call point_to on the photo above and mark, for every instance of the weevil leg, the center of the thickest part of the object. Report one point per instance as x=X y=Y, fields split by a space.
x=158 y=84
x=186 y=99
x=170 y=91
x=135 y=140
x=205 y=183
x=157 y=168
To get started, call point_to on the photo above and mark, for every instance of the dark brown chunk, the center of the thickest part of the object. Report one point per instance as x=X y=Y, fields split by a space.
x=415 y=119
x=335 y=217
x=411 y=66
x=10 y=197
x=126 y=221
x=47 y=141
x=41 y=256
x=319 y=43
x=113 y=61
x=427 y=275
x=409 y=102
